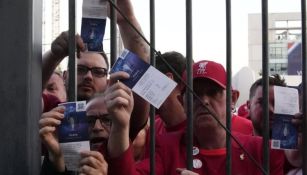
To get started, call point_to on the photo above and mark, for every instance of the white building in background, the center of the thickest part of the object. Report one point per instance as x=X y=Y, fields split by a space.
x=284 y=35
x=284 y=51
x=242 y=81
x=55 y=20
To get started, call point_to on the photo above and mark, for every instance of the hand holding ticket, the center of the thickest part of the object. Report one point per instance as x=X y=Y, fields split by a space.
x=145 y=80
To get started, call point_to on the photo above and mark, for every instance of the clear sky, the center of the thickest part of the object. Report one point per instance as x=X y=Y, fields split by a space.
x=209 y=26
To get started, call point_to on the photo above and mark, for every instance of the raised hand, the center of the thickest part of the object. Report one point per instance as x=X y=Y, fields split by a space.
x=47 y=131
x=59 y=46
x=119 y=100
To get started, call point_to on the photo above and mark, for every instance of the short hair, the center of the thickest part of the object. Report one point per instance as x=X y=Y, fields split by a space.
x=174 y=59
x=274 y=80
x=58 y=72
x=105 y=57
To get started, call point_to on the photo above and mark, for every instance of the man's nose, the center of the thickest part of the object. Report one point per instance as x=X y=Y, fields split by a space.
x=97 y=126
x=88 y=75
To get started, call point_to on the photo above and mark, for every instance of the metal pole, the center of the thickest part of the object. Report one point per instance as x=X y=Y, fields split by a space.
x=228 y=90
x=152 y=109
x=304 y=81
x=20 y=86
x=189 y=56
x=72 y=89
x=265 y=79
x=113 y=45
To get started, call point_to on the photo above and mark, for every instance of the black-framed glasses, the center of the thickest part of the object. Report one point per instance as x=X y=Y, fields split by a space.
x=96 y=71
x=103 y=119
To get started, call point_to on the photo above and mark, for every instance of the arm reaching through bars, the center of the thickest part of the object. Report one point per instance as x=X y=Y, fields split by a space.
x=119 y=101
x=53 y=57
x=135 y=43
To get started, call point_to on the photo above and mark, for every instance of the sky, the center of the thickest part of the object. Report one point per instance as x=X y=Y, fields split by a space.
x=209 y=26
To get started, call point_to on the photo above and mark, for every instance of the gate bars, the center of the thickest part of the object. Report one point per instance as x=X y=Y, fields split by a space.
x=189 y=56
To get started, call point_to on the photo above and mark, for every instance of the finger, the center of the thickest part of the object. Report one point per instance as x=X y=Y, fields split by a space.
x=85 y=169
x=64 y=36
x=48 y=122
x=122 y=93
x=117 y=102
x=90 y=161
x=115 y=77
x=97 y=155
x=53 y=114
x=60 y=109
x=179 y=170
x=183 y=171
x=119 y=86
x=298 y=116
x=80 y=43
x=46 y=130
x=296 y=122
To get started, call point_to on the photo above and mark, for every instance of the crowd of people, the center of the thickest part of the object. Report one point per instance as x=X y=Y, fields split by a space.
x=118 y=118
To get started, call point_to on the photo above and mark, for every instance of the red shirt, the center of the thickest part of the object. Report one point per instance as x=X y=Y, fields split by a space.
x=160 y=127
x=171 y=154
x=241 y=125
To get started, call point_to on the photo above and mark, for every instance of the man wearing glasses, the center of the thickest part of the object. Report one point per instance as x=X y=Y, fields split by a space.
x=92 y=67
x=91 y=79
x=92 y=162
x=92 y=70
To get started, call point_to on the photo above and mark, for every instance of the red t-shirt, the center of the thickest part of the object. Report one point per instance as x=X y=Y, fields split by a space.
x=160 y=127
x=241 y=125
x=238 y=124
x=171 y=154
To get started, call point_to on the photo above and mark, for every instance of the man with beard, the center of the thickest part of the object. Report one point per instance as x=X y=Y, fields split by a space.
x=92 y=71
x=209 y=145
x=254 y=105
x=92 y=67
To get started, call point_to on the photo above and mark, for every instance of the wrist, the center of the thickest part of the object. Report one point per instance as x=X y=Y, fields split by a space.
x=58 y=162
x=118 y=128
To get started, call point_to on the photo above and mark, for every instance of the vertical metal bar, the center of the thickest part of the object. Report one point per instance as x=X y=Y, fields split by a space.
x=189 y=55
x=265 y=79
x=34 y=108
x=72 y=89
x=304 y=81
x=20 y=86
x=228 y=92
x=113 y=45
x=152 y=109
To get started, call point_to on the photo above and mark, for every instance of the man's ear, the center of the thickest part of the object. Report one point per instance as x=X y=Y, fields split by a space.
x=65 y=78
x=65 y=75
x=170 y=75
x=248 y=104
x=235 y=94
